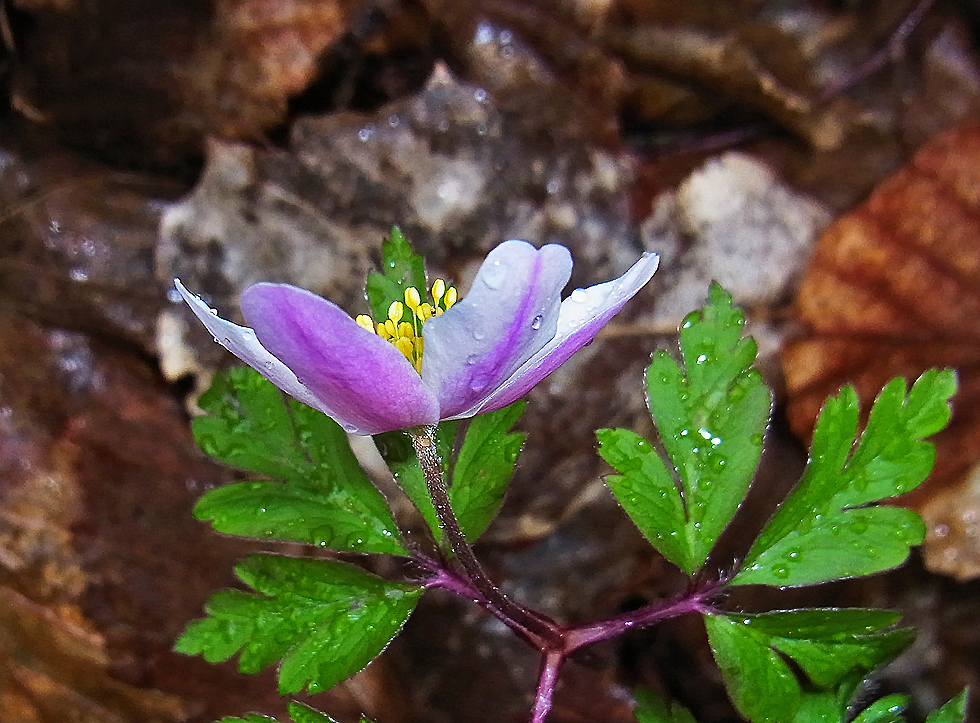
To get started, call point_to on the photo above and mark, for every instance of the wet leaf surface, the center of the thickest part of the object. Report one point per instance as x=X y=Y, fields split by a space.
x=893 y=289
x=465 y=122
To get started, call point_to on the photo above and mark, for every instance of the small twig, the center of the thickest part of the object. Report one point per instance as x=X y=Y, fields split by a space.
x=881 y=57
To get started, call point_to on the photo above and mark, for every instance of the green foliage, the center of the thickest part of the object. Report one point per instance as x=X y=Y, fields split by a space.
x=651 y=708
x=711 y=413
x=318 y=495
x=887 y=710
x=825 y=530
x=297 y=711
x=484 y=467
x=304 y=714
x=477 y=480
x=398 y=453
x=953 y=712
x=324 y=620
x=401 y=268
x=829 y=645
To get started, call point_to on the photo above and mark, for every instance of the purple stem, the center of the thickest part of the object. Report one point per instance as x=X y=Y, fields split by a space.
x=691 y=602
x=550 y=664
x=540 y=630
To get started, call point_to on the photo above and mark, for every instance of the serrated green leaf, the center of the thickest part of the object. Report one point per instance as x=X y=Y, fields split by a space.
x=711 y=414
x=651 y=708
x=397 y=451
x=822 y=531
x=304 y=714
x=401 y=268
x=319 y=494
x=832 y=646
x=483 y=468
x=828 y=644
x=758 y=681
x=647 y=493
x=324 y=620
x=953 y=712
x=823 y=707
x=887 y=710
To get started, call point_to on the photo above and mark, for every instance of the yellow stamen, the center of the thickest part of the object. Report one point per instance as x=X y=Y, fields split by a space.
x=406 y=335
x=365 y=322
x=412 y=298
x=438 y=289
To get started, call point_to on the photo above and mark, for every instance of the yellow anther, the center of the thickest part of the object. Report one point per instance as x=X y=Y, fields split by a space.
x=405 y=346
x=391 y=331
x=438 y=289
x=451 y=297
x=412 y=298
x=365 y=322
x=396 y=311
x=423 y=311
x=382 y=331
x=406 y=330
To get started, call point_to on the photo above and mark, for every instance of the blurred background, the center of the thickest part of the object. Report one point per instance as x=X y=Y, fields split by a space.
x=820 y=159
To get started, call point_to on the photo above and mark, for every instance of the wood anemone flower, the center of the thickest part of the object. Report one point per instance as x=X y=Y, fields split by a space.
x=480 y=354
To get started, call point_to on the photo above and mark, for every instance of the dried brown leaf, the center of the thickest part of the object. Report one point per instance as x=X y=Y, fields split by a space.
x=893 y=289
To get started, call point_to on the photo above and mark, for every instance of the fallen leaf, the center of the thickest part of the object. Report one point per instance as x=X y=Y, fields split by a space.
x=894 y=289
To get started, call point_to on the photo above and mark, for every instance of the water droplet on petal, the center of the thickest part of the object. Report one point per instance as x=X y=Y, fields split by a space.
x=478 y=335
x=579 y=296
x=268 y=365
x=479 y=383
x=536 y=322
x=493 y=275
x=472 y=359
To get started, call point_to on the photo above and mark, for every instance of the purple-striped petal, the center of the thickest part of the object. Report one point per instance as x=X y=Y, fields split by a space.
x=511 y=311
x=581 y=317
x=241 y=341
x=365 y=381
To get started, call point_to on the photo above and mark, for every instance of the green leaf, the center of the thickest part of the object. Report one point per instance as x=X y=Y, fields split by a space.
x=647 y=492
x=484 y=467
x=887 y=710
x=319 y=494
x=953 y=712
x=324 y=620
x=759 y=683
x=711 y=414
x=397 y=451
x=651 y=708
x=830 y=645
x=304 y=714
x=249 y=718
x=824 y=530
x=401 y=269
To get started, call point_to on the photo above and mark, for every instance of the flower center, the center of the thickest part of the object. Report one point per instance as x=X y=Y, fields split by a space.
x=406 y=334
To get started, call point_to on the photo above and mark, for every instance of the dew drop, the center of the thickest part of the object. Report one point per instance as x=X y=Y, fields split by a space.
x=718 y=463
x=478 y=383
x=780 y=571
x=859 y=526
x=579 y=296
x=472 y=358
x=756 y=439
x=536 y=322
x=268 y=365
x=702 y=358
x=685 y=432
x=349 y=428
x=493 y=275
x=214 y=312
